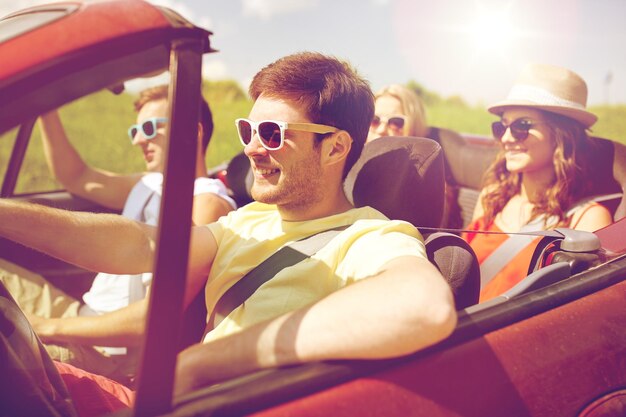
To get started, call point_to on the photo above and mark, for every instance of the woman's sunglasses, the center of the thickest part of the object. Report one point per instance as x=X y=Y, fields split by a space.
x=394 y=122
x=148 y=128
x=519 y=128
x=272 y=133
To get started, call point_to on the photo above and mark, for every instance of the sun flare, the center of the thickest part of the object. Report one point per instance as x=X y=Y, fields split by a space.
x=491 y=29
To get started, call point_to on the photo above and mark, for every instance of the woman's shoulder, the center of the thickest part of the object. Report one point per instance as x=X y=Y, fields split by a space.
x=590 y=216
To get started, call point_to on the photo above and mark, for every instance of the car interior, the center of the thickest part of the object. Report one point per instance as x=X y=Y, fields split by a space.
x=396 y=176
x=403 y=178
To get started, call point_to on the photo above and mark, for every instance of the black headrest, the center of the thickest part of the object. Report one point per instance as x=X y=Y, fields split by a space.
x=601 y=160
x=402 y=177
x=239 y=179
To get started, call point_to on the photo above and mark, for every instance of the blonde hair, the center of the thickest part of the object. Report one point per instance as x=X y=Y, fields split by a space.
x=412 y=108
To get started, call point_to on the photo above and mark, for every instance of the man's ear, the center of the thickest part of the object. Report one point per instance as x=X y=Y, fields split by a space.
x=336 y=147
x=200 y=133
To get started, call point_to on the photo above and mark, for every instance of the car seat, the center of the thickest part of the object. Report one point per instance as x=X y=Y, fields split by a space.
x=457 y=262
x=451 y=142
x=239 y=179
x=468 y=159
x=606 y=173
x=403 y=177
x=619 y=173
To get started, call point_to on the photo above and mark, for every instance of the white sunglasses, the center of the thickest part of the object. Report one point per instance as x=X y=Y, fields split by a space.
x=272 y=132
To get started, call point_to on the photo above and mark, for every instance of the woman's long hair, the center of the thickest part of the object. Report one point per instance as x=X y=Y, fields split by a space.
x=570 y=183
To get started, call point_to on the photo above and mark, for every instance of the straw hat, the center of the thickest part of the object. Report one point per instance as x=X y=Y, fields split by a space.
x=550 y=88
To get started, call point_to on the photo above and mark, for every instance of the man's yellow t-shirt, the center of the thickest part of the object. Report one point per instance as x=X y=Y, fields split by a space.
x=253 y=233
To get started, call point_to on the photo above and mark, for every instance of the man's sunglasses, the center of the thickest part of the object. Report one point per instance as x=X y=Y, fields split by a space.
x=272 y=133
x=394 y=122
x=148 y=128
x=519 y=128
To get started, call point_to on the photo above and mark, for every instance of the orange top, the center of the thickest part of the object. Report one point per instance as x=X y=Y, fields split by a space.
x=484 y=244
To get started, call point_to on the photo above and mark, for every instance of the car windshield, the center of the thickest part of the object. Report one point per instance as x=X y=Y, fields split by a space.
x=24 y=22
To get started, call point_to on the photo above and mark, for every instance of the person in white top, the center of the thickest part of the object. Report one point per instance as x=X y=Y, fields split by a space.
x=113 y=311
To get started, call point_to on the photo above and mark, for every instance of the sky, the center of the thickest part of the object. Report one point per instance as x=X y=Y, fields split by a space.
x=469 y=48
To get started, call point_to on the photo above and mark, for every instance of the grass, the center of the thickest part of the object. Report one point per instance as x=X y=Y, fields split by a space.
x=97 y=130
x=225 y=143
x=460 y=118
x=97 y=126
x=611 y=122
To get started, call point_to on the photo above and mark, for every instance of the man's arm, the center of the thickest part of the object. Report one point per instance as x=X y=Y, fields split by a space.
x=97 y=242
x=406 y=307
x=208 y=207
x=67 y=166
x=123 y=327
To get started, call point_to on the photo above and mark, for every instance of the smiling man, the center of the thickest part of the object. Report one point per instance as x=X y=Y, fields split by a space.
x=94 y=334
x=368 y=293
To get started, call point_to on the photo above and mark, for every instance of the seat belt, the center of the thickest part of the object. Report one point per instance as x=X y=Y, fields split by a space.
x=505 y=253
x=511 y=248
x=283 y=258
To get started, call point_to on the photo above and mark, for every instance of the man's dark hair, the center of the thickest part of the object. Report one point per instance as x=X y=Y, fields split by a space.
x=161 y=93
x=331 y=91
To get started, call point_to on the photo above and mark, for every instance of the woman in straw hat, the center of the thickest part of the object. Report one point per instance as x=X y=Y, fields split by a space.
x=539 y=180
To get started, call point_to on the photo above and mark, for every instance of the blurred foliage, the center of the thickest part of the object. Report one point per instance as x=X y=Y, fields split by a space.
x=430 y=98
x=223 y=91
x=611 y=122
x=228 y=102
x=452 y=112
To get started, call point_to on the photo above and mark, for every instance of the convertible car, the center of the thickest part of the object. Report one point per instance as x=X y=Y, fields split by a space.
x=553 y=346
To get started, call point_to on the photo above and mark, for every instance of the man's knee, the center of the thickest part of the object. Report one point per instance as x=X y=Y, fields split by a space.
x=34 y=294
x=20 y=282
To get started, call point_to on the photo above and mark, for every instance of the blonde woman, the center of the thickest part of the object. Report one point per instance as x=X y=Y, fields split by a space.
x=399 y=111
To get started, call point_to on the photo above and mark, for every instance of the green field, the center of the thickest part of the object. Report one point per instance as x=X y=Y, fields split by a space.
x=97 y=126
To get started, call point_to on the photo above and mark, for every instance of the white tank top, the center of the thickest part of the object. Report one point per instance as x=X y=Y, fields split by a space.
x=110 y=292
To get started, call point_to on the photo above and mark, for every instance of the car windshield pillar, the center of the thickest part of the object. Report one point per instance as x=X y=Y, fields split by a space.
x=17 y=157
x=156 y=378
